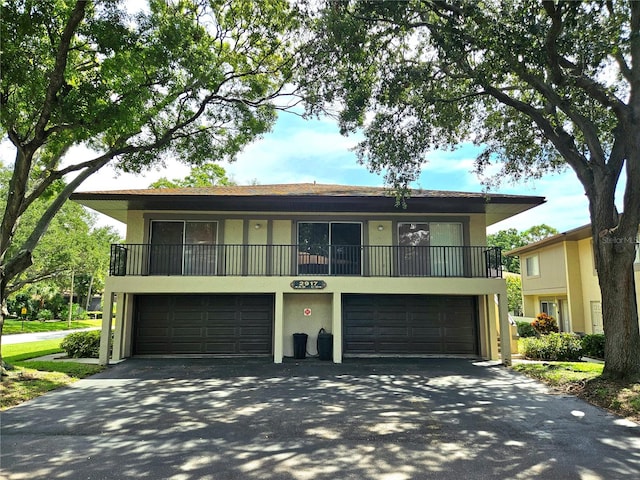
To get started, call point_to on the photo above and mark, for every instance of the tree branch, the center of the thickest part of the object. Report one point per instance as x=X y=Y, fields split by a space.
x=56 y=79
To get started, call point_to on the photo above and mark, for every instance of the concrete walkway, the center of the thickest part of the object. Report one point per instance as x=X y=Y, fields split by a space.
x=39 y=336
x=374 y=419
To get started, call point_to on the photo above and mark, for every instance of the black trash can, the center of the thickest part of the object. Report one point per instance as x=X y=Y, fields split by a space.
x=325 y=345
x=300 y=345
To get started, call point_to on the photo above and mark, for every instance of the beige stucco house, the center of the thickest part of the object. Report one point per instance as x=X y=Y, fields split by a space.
x=559 y=278
x=238 y=270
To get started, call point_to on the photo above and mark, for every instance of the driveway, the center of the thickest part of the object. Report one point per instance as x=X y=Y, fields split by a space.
x=308 y=420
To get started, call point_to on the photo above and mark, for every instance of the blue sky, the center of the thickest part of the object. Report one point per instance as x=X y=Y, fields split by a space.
x=299 y=150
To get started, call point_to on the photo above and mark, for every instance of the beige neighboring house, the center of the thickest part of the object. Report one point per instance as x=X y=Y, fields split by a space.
x=238 y=270
x=559 y=278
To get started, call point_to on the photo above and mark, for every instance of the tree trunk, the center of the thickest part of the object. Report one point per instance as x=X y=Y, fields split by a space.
x=3 y=313
x=614 y=261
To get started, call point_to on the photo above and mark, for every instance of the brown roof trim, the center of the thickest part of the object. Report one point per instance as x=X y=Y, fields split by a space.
x=575 y=234
x=306 y=197
x=278 y=190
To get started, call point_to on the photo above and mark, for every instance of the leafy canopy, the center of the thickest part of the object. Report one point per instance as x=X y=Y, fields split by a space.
x=206 y=175
x=510 y=238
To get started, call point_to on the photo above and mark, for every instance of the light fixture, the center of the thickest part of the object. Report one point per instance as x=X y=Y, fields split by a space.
x=257 y=226
x=380 y=228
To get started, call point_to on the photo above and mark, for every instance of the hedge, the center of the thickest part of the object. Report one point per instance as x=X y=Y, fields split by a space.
x=555 y=346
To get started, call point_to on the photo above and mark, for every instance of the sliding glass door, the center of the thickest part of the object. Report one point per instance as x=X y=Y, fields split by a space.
x=329 y=248
x=183 y=248
x=430 y=249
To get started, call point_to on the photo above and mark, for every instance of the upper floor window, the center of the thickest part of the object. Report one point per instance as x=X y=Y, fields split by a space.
x=181 y=247
x=419 y=254
x=532 y=266
x=329 y=248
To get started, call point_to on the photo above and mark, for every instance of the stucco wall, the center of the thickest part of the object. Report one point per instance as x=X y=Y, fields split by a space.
x=135 y=227
x=552 y=278
x=295 y=321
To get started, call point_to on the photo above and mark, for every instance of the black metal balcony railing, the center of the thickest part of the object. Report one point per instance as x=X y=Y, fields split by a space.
x=296 y=260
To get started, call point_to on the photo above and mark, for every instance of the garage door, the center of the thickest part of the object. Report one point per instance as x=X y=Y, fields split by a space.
x=410 y=324
x=203 y=324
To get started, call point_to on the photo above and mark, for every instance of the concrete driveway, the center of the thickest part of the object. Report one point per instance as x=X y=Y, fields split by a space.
x=365 y=419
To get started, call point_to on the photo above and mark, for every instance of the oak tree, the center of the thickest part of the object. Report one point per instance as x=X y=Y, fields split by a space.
x=195 y=80
x=542 y=86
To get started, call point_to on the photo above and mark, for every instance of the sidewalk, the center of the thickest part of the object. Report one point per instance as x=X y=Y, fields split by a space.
x=39 y=336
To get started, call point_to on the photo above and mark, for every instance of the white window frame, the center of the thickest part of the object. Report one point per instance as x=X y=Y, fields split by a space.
x=528 y=268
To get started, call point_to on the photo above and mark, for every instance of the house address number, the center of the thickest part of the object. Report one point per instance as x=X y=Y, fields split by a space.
x=308 y=284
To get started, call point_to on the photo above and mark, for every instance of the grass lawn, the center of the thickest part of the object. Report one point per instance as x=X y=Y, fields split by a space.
x=584 y=380
x=18 y=326
x=31 y=378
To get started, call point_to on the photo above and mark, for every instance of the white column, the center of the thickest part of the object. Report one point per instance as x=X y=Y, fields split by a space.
x=125 y=305
x=336 y=327
x=105 y=334
x=505 y=328
x=278 y=328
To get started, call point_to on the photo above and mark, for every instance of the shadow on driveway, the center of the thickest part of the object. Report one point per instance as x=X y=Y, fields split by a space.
x=386 y=419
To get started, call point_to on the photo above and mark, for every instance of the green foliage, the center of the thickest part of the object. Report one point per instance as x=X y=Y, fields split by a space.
x=525 y=329
x=554 y=346
x=514 y=294
x=45 y=314
x=593 y=345
x=206 y=175
x=510 y=238
x=77 y=312
x=82 y=344
x=544 y=324
x=72 y=242
x=191 y=79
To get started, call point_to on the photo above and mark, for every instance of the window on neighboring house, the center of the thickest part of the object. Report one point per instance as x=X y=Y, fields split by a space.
x=329 y=248
x=181 y=247
x=533 y=266
x=550 y=308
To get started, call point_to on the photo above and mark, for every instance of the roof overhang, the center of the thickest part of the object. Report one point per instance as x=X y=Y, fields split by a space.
x=573 y=235
x=496 y=207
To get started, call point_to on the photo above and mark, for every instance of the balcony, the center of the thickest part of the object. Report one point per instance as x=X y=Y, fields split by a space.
x=305 y=260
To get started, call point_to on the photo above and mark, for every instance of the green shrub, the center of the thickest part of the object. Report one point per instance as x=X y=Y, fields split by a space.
x=82 y=344
x=544 y=324
x=45 y=314
x=554 y=346
x=593 y=345
x=78 y=313
x=525 y=329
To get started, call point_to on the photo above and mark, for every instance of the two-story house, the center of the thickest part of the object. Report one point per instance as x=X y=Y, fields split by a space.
x=559 y=278
x=238 y=270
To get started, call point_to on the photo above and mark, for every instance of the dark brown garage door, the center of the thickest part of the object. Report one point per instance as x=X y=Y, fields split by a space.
x=203 y=324
x=410 y=324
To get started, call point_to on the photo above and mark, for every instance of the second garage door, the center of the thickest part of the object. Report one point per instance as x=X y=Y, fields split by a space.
x=203 y=324
x=410 y=324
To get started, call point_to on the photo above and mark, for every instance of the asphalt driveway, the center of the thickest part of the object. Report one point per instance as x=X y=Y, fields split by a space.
x=364 y=419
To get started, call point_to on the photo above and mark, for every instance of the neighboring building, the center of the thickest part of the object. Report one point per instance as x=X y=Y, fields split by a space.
x=559 y=278
x=238 y=270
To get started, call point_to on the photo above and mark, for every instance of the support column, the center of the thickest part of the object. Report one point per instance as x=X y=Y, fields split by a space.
x=105 y=334
x=123 y=313
x=505 y=327
x=278 y=328
x=336 y=327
